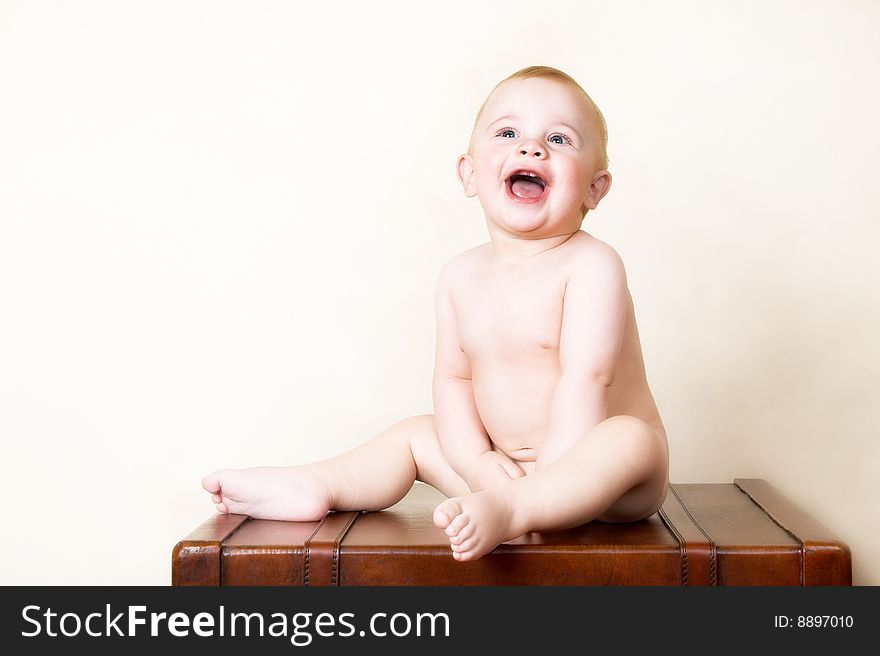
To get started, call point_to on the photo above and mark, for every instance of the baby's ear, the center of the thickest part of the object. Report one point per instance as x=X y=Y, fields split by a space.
x=466 y=175
x=598 y=188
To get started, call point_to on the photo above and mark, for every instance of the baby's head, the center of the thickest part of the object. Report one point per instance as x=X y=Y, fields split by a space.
x=537 y=155
x=555 y=75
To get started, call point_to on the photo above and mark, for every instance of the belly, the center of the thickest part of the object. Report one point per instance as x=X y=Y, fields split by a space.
x=513 y=400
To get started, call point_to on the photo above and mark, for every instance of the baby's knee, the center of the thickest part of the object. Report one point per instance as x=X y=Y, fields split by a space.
x=417 y=424
x=420 y=432
x=638 y=440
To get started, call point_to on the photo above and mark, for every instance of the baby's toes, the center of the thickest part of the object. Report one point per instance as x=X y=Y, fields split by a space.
x=211 y=482
x=464 y=545
x=463 y=555
x=457 y=525
x=463 y=534
x=445 y=512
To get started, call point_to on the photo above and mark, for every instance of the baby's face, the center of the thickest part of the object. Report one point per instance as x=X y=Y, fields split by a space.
x=535 y=158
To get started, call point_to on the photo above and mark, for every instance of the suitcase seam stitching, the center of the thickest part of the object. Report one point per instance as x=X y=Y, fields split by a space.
x=334 y=568
x=308 y=551
x=713 y=571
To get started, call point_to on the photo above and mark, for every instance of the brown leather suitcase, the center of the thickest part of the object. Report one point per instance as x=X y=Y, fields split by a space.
x=745 y=533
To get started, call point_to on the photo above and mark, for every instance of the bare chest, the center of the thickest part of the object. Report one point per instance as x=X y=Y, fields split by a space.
x=510 y=317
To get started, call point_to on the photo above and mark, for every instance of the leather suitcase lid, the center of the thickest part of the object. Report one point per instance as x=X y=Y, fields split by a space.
x=401 y=546
x=744 y=533
x=409 y=525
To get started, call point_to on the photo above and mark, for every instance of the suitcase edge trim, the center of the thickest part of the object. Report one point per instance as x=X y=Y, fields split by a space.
x=195 y=560
x=825 y=559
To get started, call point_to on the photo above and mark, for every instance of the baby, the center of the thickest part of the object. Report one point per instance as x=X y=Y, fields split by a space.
x=543 y=418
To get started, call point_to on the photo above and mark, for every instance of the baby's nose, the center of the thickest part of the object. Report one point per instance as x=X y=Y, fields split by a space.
x=531 y=148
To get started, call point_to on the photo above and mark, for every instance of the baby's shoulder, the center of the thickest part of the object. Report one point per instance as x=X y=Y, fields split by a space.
x=588 y=255
x=464 y=264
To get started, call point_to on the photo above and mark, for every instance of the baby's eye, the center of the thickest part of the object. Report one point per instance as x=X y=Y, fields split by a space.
x=559 y=139
x=507 y=133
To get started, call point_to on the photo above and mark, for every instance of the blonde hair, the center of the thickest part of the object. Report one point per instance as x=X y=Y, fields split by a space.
x=550 y=73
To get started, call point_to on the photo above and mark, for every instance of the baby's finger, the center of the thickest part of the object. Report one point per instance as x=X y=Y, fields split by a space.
x=512 y=469
x=499 y=476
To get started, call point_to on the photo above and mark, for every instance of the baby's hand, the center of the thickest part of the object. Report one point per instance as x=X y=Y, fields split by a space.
x=490 y=469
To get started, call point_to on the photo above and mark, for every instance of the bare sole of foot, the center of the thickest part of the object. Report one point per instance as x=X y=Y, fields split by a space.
x=286 y=493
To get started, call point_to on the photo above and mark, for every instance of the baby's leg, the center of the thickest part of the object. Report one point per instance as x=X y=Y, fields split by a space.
x=618 y=472
x=371 y=476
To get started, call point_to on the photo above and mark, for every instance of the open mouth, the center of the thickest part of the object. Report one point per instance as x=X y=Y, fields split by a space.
x=526 y=185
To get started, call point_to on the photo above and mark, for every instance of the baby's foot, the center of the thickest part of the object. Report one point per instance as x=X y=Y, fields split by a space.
x=288 y=493
x=476 y=523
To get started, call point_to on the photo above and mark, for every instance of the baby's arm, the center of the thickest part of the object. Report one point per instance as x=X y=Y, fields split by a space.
x=463 y=437
x=593 y=319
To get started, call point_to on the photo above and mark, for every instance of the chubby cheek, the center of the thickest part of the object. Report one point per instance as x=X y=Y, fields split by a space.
x=567 y=190
x=571 y=189
x=488 y=176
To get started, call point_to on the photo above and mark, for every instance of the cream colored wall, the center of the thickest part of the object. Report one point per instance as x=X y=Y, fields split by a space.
x=220 y=226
